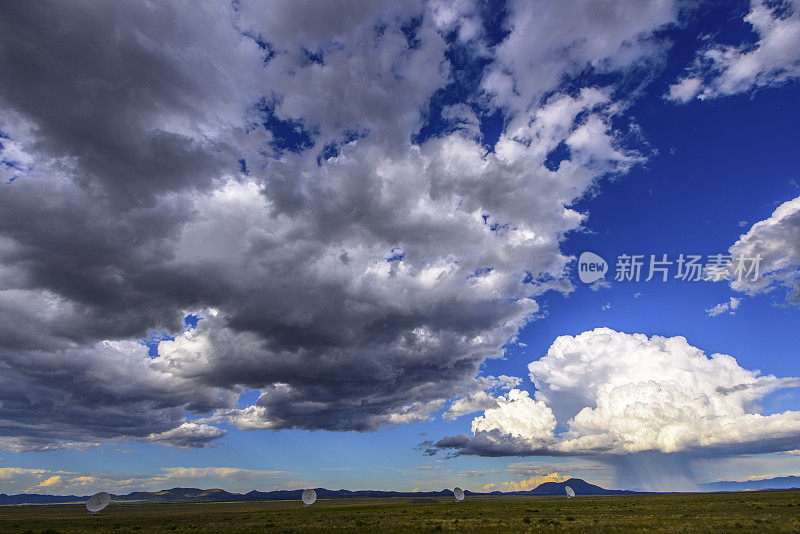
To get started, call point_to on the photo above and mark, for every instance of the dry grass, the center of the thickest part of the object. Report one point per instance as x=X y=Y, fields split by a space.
x=777 y=511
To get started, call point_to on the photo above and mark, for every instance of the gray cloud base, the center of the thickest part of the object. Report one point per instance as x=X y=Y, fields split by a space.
x=123 y=125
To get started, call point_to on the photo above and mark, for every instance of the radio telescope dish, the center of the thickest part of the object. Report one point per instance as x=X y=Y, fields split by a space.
x=309 y=496
x=97 y=502
x=459 y=493
x=570 y=492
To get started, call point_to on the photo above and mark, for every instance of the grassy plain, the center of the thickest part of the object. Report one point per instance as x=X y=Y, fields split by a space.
x=765 y=511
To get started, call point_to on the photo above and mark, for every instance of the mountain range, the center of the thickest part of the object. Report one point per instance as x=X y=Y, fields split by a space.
x=581 y=487
x=173 y=495
x=768 y=483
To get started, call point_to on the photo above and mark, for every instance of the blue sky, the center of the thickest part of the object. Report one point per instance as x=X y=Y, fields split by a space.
x=343 y=206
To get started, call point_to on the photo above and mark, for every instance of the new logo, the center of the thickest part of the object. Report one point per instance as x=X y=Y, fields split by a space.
x=591 y=267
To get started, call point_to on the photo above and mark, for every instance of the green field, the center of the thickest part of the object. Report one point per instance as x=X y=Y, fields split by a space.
x=776 y=511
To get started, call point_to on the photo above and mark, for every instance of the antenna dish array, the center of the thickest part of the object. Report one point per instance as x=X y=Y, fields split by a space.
x=97 y=502
x=459 y=493
x=570 y=492
x=309 y=496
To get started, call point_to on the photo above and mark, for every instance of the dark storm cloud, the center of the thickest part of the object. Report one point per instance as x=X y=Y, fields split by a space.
x=121 y=116
x=99 y=80
x=106 y=391
x=354 y=289
x=122 y=120
x=494 y=444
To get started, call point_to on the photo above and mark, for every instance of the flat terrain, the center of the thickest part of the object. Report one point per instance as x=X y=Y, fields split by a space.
x=776 y=511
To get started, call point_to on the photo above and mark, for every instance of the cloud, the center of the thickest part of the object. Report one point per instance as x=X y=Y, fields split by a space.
x=773 y=59
x=481 y=399
x=6 y=473
x=600 y=284
x=518 y=415
x=187 y=436
x=529 y=469
x=27 y=480
x=56 y=480
x=427 y=448
x=610 y=393
x=263 y=167
x=775 y=241
x=684 y=90
x=133 y=73
x=29 y=444
x=472 y=473
x=427 y=467
x=526 y=484
x=718 y=309
x=547 y=44
x=107 y=390
x=219 y=472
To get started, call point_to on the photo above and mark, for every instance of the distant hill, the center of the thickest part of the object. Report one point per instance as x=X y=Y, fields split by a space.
x=767 y=483
x=581 y=487
x=180 y=495
x=35 y=498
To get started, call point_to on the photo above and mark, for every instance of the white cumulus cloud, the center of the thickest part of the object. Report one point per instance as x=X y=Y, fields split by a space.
x=776 y=240
x=608 y=392
x=773 y=59
x=718 y=309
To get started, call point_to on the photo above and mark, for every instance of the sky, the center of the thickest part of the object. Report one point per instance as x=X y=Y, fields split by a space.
x=269 y=245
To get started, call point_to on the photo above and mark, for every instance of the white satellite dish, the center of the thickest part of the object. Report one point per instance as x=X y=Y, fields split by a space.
x=570 y=492
x=459 y=493
x=97 y=502
x=309 y=496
